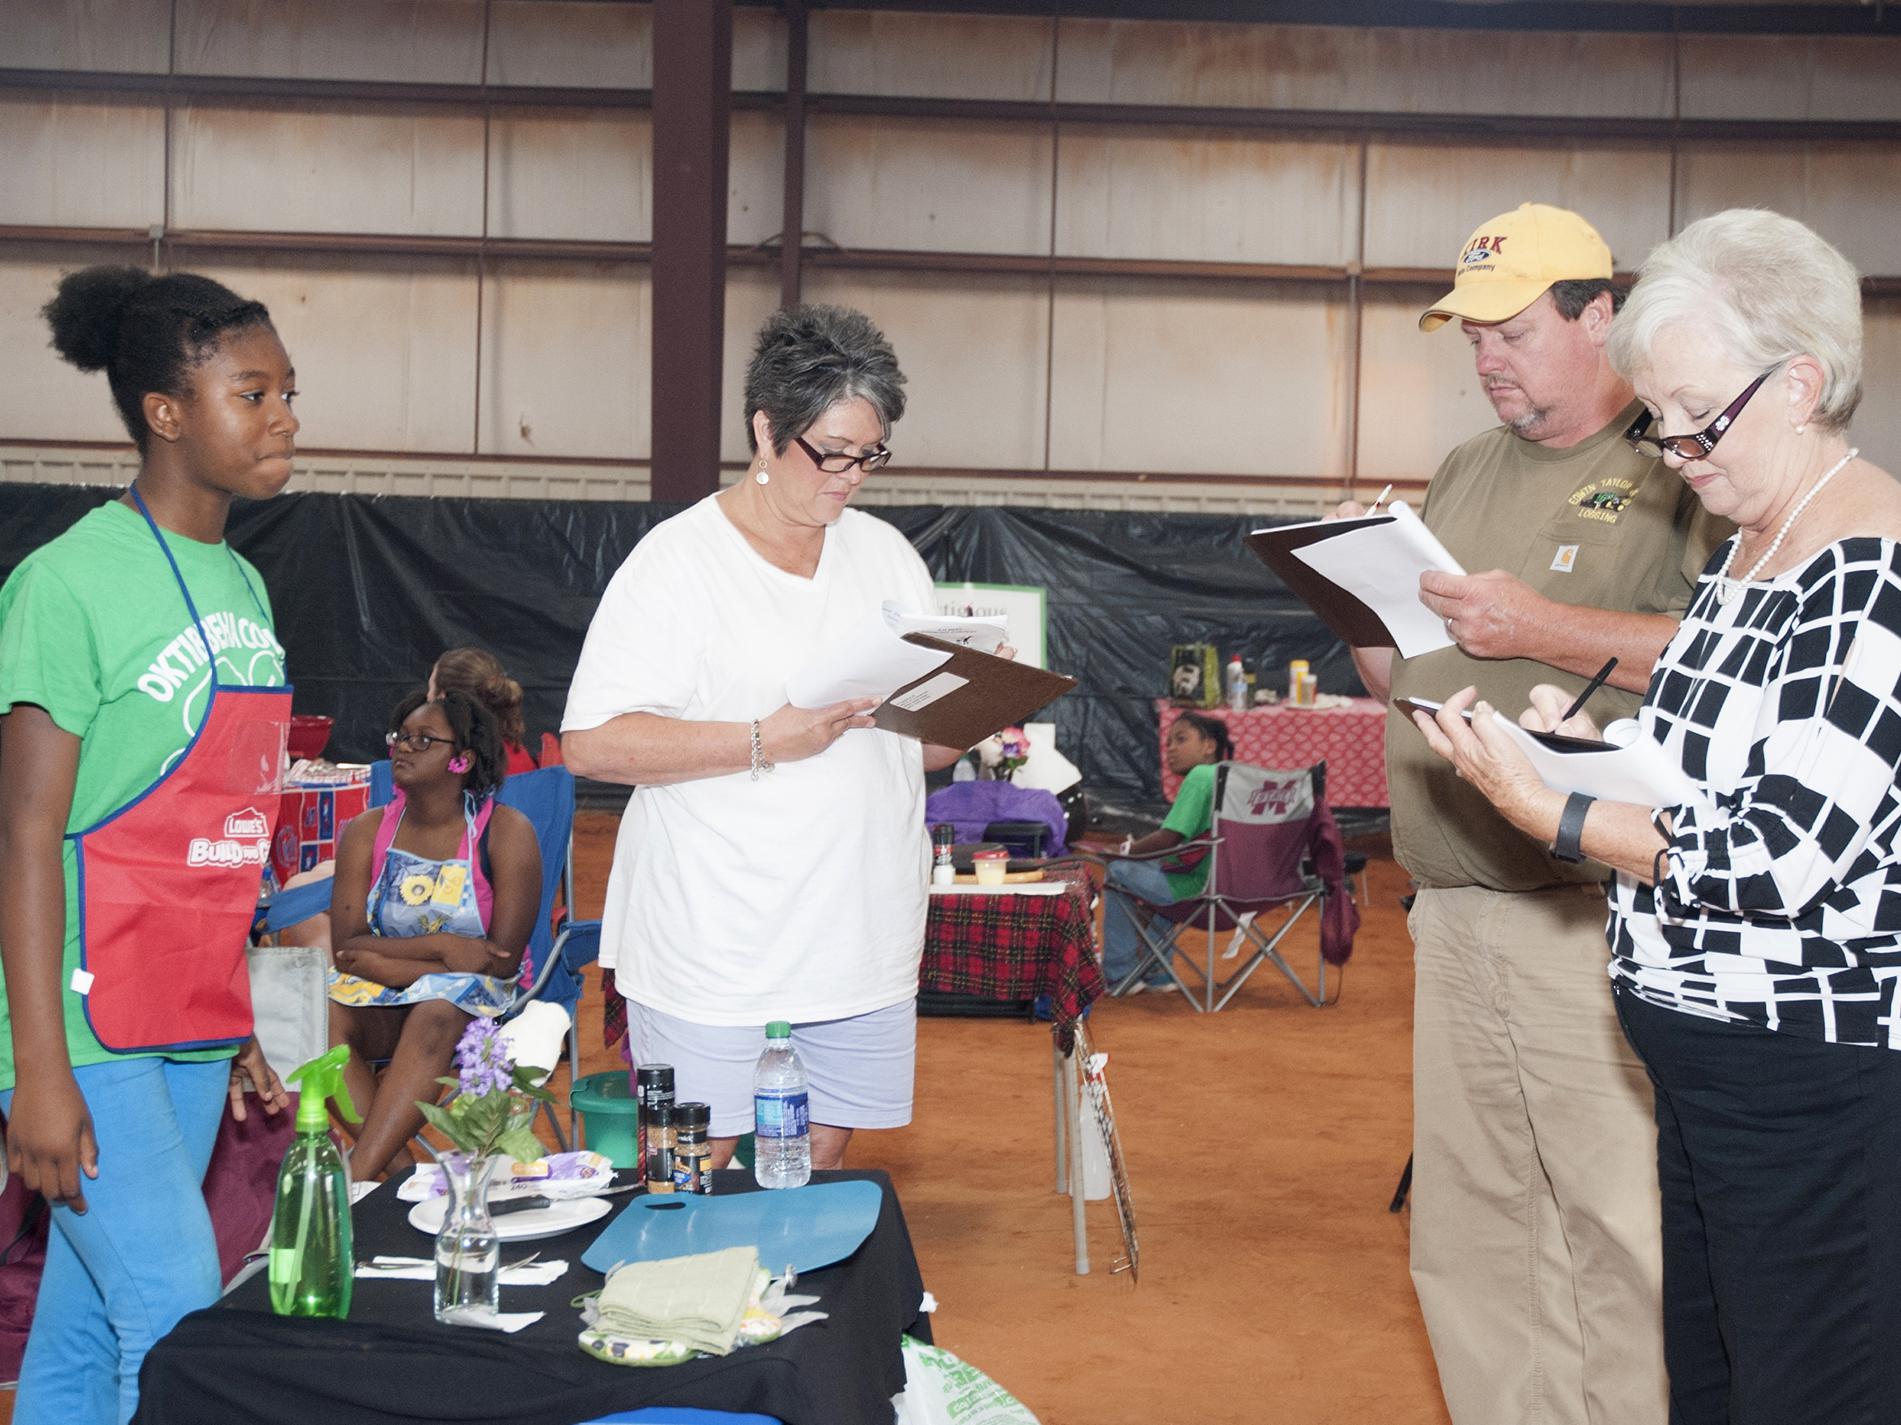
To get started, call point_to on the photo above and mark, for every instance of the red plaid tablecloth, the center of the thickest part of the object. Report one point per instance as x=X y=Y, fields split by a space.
x=1015 y=947
x=1002 y=947
x=1350 y=740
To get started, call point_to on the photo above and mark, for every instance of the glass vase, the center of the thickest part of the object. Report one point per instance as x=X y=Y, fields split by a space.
x=468 y=1253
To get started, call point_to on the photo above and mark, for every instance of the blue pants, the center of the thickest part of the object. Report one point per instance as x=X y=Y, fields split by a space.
x=142 y=1255
x=1121 y=940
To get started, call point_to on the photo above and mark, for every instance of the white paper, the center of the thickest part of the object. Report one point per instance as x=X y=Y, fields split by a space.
x=1379 y=563
x=986 y=634
x=418 y=1269
x=1008 y=888
x=869 y=662
x=509 y=1321
x=938 y=685
x=1630 y=768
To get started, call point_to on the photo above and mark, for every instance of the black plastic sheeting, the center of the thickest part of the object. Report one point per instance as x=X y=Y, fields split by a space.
x=368 y=590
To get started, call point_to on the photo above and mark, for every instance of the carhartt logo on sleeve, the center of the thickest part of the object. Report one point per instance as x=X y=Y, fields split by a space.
x=246 y=842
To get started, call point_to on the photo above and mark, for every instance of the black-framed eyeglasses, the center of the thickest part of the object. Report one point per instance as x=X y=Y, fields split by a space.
x=1698 y=445
x=837 y=462
x=415 y=741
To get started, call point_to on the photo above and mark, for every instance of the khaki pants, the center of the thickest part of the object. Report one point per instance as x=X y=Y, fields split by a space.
x=1536 y=1246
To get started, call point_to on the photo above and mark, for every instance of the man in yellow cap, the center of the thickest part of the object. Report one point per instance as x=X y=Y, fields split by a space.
x=1535 y=1237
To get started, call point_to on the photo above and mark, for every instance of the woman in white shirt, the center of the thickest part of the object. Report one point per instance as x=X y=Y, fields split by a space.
x=772 y=861
x=1755 y=934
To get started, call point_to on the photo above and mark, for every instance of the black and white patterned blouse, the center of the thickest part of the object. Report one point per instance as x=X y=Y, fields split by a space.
x=1782 y=908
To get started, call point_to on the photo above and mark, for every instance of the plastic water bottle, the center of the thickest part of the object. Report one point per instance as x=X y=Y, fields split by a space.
x=782 y=1141
x=1237 y=685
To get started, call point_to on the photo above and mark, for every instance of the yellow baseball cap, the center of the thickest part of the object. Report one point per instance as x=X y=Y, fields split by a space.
x=1510 y=261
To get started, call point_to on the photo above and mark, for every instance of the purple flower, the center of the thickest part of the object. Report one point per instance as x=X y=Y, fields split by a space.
x=482 y=1061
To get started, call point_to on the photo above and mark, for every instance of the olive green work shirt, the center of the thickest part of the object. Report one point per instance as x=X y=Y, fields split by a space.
x=1595 y=524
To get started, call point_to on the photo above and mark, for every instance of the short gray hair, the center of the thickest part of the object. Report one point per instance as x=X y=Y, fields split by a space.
x=1768 y=287
x=810 y=357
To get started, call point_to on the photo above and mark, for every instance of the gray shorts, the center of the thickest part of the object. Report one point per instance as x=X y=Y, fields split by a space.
x=858 y=1071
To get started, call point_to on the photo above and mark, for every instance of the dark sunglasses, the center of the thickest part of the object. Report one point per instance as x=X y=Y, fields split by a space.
x=1698 y=445
x=837 y=462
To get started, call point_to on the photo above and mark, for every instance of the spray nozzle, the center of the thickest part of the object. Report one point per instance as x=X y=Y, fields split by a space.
x=317 y=1081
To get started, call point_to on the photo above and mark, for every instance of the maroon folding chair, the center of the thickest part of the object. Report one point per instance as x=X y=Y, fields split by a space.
x=1260 y=866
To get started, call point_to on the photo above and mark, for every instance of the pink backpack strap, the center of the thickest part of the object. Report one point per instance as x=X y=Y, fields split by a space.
x=385 y=835
x=472 y=849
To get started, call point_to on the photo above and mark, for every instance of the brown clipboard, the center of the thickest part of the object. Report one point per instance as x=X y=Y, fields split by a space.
x=996 y=693
x=1351 y=620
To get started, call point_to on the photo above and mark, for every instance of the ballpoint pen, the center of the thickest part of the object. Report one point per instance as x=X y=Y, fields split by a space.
x=1577 y=706
x=1374 y=508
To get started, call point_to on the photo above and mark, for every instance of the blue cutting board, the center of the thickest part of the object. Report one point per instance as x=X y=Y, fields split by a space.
x=804 y=1228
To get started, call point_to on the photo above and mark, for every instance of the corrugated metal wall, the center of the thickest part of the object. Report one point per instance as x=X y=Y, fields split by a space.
x=1083 y=385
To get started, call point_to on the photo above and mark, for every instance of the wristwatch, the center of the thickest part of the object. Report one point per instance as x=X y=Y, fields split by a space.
x=1571 y=829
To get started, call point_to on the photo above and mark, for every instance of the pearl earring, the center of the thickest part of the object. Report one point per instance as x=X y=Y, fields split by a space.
x=761 y=476
x=1802 y=427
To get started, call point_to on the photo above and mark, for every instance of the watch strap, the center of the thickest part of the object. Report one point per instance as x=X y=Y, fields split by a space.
x=1567 y=846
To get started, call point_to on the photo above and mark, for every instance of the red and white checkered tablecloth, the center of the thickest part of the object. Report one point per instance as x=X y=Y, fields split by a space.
x=1351 y=740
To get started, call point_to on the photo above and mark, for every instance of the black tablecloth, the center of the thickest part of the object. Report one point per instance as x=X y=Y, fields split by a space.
x=392 y=1362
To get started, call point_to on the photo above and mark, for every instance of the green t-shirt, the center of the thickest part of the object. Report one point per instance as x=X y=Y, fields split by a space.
x=94 y=630
x=1192 y=815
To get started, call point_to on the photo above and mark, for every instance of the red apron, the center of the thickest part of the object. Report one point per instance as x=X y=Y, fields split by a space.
x=168 y=883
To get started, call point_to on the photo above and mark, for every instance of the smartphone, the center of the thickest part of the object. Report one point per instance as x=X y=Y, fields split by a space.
x=1556 y=741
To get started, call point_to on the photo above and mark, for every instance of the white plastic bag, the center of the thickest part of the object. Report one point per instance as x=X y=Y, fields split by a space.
x=939 y=1389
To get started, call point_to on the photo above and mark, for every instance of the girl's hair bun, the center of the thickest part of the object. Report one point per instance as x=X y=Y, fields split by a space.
x=88 y=310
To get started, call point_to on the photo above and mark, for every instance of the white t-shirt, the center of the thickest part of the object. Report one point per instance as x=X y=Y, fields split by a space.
x=800 y=896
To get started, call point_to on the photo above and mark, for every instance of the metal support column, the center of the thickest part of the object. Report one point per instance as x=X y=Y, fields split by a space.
x=692 y=101
x=792 y=210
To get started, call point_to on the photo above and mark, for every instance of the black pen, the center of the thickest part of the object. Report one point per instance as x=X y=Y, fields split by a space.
x=1589 y=688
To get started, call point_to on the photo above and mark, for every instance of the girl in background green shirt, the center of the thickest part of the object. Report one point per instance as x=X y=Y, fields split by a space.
x=1196 y=743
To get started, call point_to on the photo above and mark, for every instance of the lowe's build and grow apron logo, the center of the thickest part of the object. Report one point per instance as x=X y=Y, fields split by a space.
x=246 y=842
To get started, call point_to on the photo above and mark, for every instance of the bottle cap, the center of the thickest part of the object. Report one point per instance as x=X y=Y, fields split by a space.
x=317 y=1081
x=692 y=1115
x=655 y=1076
x=778 y=1029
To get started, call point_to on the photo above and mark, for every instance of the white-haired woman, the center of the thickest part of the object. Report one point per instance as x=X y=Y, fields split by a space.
x=1756 y=940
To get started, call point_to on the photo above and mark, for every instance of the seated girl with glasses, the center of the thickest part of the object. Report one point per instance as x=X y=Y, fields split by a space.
x=436 y=894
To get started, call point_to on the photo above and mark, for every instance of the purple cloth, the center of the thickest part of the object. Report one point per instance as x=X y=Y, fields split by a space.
x=971 y=806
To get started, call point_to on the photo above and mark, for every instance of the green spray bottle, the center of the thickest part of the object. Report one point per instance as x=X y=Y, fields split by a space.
x=313 y=1268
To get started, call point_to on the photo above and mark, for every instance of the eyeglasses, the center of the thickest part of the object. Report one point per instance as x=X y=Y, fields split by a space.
x=837 y=462
x=1691 y=447
x=415 y=741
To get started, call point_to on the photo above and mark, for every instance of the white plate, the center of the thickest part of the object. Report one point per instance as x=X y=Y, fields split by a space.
x=529 y=1226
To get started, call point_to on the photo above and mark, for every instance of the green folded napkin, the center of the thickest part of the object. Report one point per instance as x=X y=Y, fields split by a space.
x=697 y=1300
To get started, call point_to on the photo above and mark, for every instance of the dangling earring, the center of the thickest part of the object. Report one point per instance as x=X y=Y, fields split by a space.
x=760 y=474
x=1804 y=426
x=459 y=763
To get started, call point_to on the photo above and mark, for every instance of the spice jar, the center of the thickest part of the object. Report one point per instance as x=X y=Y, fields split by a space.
x=692 y=1154
x=660 y=1148
x=653 y=1087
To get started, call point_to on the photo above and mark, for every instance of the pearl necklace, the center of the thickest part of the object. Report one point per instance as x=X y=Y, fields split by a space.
x=1729 y=590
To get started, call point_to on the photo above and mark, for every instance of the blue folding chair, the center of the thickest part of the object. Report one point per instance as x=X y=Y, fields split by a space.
x=556 y=956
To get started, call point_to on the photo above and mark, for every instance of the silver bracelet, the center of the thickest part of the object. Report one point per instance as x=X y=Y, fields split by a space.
x=759 y=762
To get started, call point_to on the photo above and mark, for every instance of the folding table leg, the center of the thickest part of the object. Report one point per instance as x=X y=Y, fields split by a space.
x=1061 y=1116
x=1068 y=1073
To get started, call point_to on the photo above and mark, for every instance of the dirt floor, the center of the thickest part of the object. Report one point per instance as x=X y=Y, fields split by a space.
x=1263 y=1145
